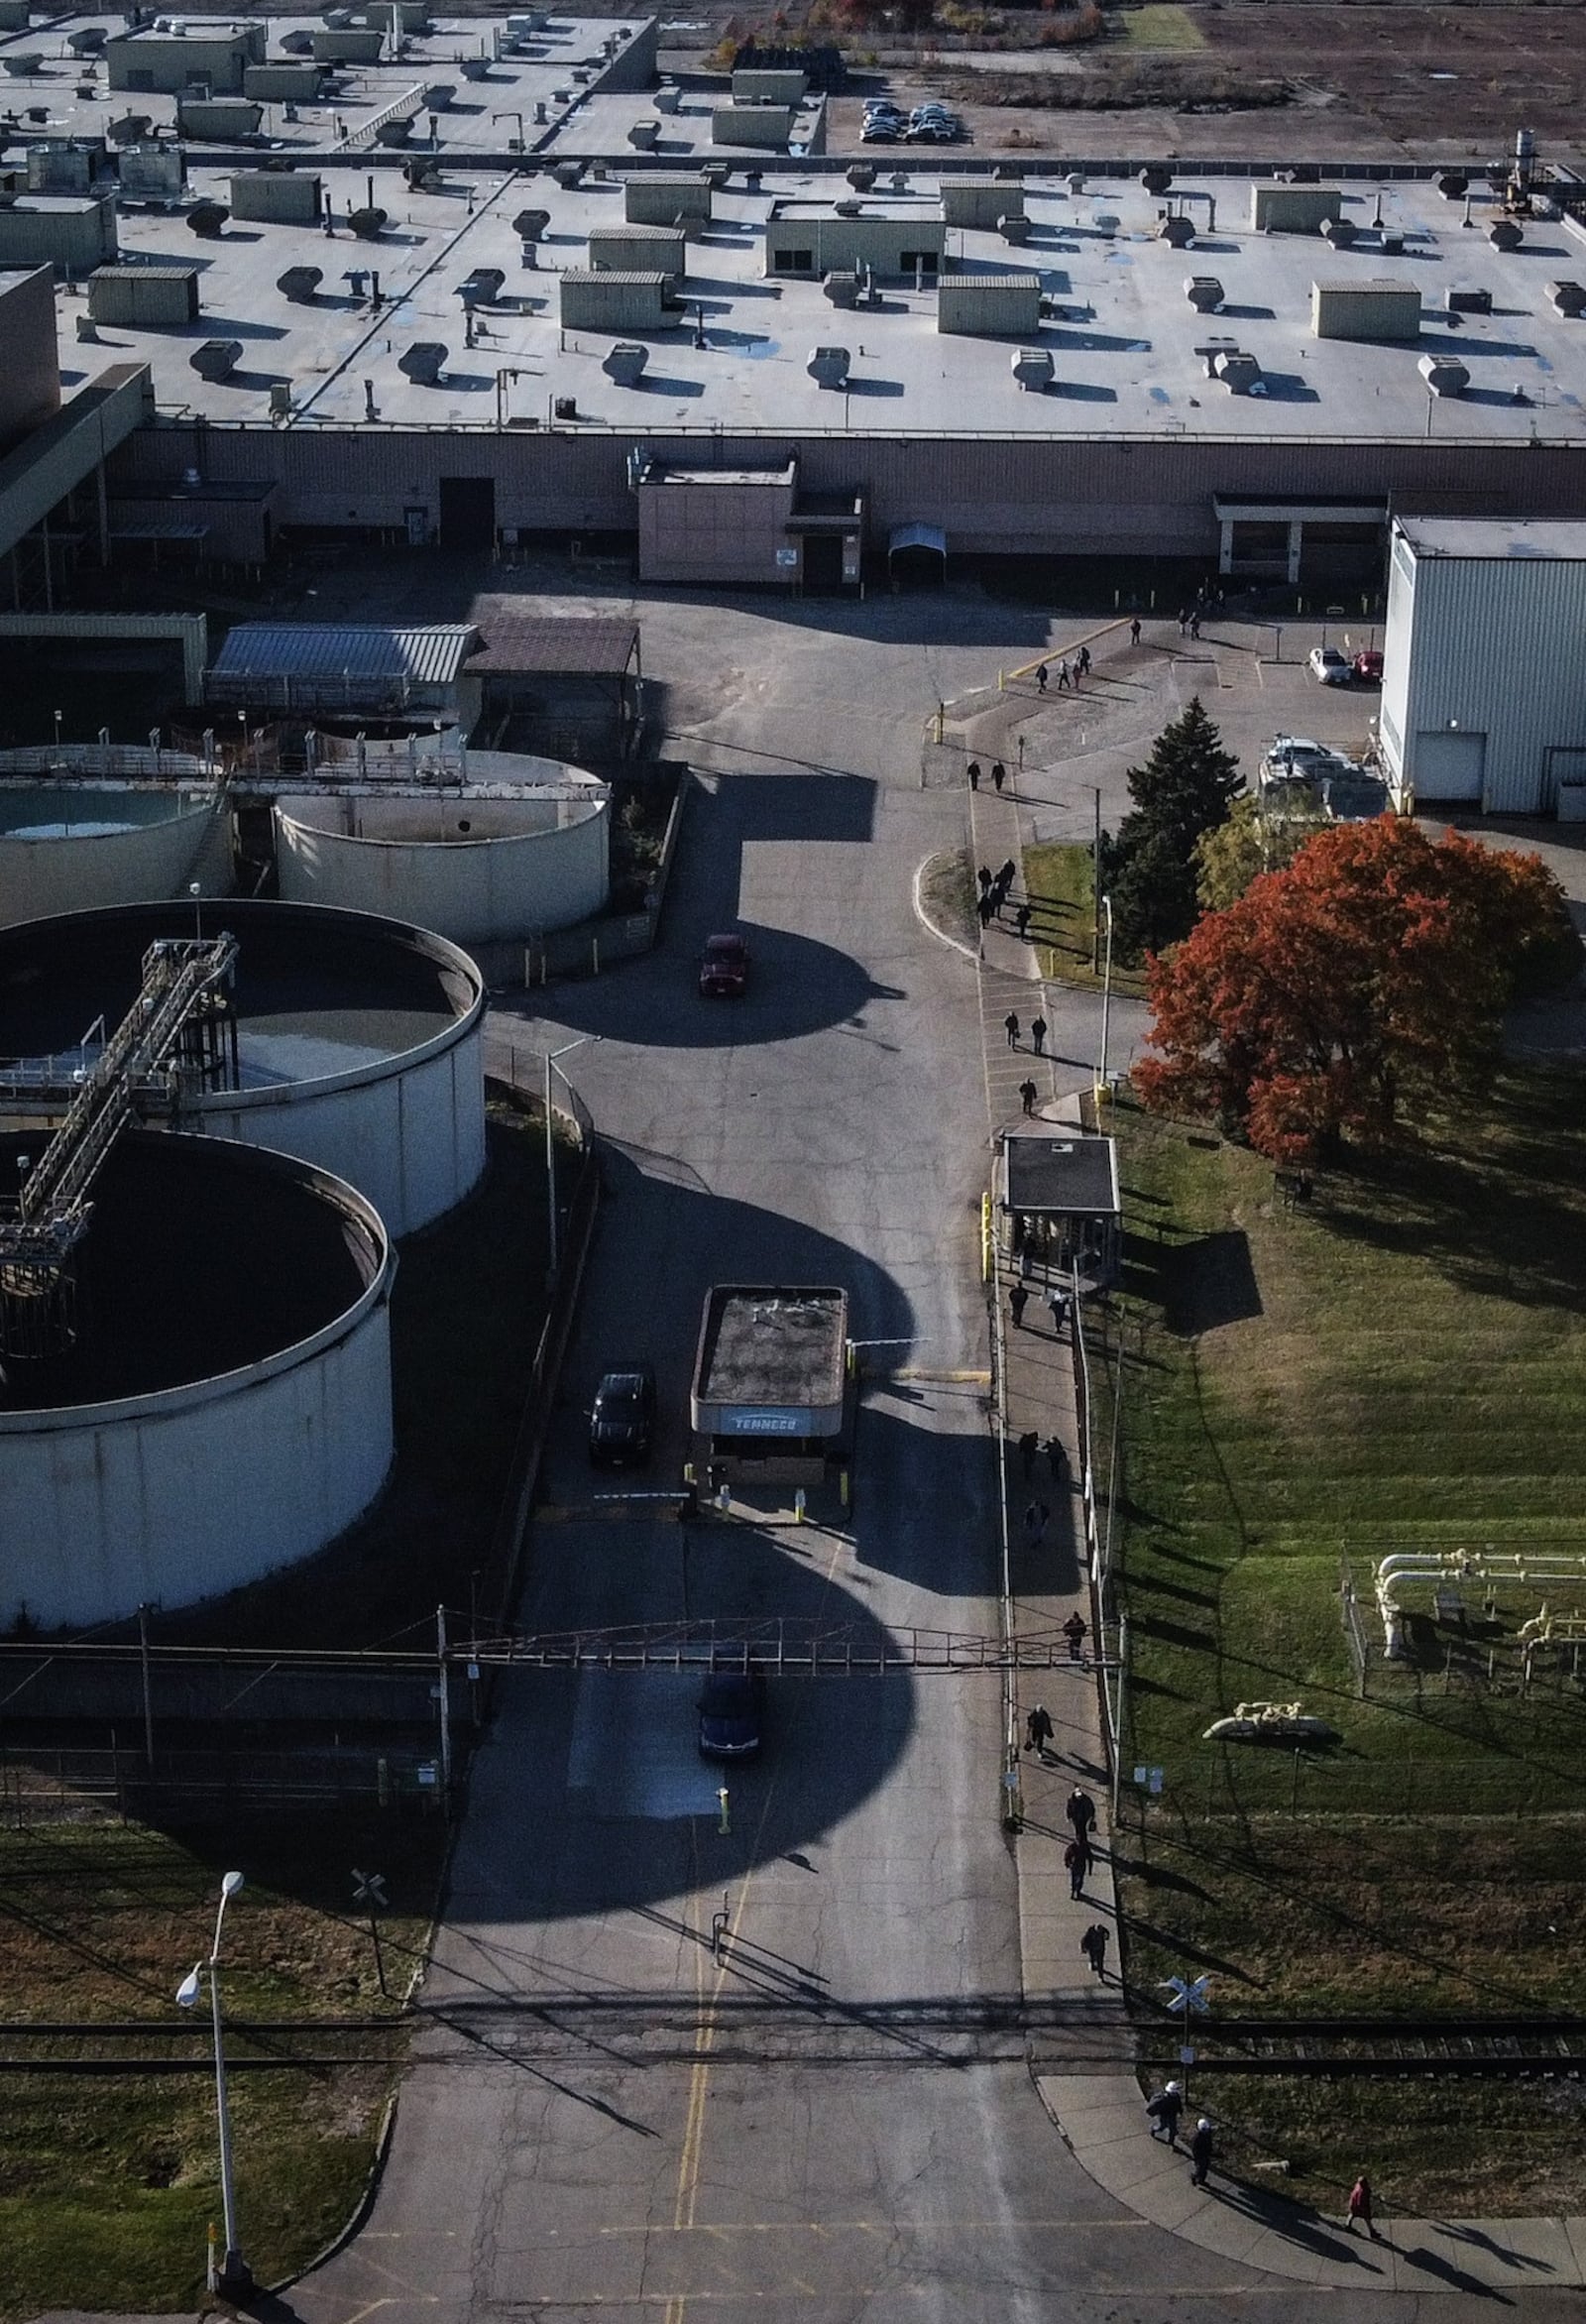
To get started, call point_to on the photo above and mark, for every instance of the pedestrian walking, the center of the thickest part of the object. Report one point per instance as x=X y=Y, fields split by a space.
x=1011 y=1025
x=1057 y=1302
x=984 y=878
x=997 y=772
x=1008 y=871
x=1021 y=919
x=988 y=907
x=975 y=774
x=1134 y=630
x=1077 y=1863
x=1041 y=679
x=1081 y=1812
x=1093 y=1946
x=1028 y=1093
x=1038 y=1729
x=1360 y=2201
x=1201 y=2144
x=1194 y=624
x=1183 y=618
x=1054 y=1458
x=1018 y=1300
x=1082 y=660
x=1036 y=1519
x=1029 y=1446
x=1074 y=1631
x=1165 y=2109
x=1038 y=1035
x=1062 y=676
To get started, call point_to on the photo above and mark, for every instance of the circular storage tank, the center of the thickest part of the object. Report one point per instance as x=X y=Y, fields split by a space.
x=480 y=871
x=67 y=850
x=226 y=1407
x=359 y=1040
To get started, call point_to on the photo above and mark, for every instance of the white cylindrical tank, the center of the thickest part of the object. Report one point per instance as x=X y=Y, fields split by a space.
x=477 y=869
x=67 y=850
x=226 y=1407
x=360 y=1040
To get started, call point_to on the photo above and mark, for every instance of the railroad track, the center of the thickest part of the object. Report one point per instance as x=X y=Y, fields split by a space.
x=1340 y=2049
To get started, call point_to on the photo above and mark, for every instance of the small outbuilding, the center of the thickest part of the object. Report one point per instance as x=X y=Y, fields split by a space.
x=1059 y=1208
x=772 y=1396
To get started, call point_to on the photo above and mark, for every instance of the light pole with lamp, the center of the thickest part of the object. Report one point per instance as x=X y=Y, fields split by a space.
x=1106 y=1002
x=234 y=2277
x=553 y=1057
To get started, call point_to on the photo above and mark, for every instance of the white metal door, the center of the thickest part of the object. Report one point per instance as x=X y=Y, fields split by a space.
x=1448 y=764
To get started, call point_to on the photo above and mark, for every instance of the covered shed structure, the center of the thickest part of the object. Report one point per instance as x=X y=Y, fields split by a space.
x=1058 y=1209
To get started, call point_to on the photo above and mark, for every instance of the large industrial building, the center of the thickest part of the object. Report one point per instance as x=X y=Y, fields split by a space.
x=473 y=283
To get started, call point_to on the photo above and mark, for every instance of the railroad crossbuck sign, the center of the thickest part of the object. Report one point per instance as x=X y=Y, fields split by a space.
x=1191 y=1994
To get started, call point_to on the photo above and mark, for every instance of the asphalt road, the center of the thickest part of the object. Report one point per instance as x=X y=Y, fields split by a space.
x=839 y=2120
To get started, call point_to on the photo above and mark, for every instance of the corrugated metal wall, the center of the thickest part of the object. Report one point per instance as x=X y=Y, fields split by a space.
x=1495 y=647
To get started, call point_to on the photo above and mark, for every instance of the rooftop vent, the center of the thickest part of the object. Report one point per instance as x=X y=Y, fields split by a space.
x=1567 y=298
x=667 y=100
x=366 y=223
x=529 y=225
x=394 y=133
x=1444 y=375
x=207 y=218
x=861 y=175
x=280 y=399
x=568 y=173
x=1178 y=231
x=829 y=366
x=1340 y=232
x=1103 y=222
x=1203 y=292
x=216 y=359
x=625 y=362
x=848 y=208
x=1468 y=302
x=843 y=288
x=299 y=283
x=1503 y=234
x=717 y=174
x=438 y=94
x=643 y=136
x=23 y=67
x=1239 y=372
x=89 y=41
x=423 y=362
x=1015 y=226
x=1454 y=185
x=482 y=288
x=1034 y=369
x=1155 y=179
x=474 y=67
x=298 y=43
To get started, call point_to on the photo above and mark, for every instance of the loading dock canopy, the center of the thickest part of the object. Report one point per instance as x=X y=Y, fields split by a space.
x=916 y=537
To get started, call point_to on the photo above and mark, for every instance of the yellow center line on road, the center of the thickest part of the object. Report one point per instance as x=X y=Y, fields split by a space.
x=688 y=2168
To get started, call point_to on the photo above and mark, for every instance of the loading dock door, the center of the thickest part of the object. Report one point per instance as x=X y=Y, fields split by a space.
x=1449 y=765
x=468 y=511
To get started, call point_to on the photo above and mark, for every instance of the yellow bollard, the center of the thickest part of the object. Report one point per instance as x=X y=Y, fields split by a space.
x=799 y=1506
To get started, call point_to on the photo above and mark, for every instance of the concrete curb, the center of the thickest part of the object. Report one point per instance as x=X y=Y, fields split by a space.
x=934 y=927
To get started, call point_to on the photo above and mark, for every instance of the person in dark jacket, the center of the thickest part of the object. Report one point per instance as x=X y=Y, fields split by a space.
x=1201 y=2144
x=1093 y=1946
x=1165 y=2109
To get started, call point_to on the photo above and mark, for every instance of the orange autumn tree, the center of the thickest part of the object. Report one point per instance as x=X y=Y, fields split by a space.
x=1376 y=965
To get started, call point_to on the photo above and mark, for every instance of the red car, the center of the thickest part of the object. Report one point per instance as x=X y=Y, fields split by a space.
x=1367 y=666
x=724 y=968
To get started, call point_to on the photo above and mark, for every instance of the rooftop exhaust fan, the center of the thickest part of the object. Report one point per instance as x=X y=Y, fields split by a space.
x=625 y=362
x=299 y=283
x=207 y=219
x=829 y=366
x=1034 y=369
x=216 y=359
x=423 y=362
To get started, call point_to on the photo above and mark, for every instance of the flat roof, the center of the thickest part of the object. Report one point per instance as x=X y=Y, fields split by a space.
x=1465 y=537
x=517 y=644
x=422 y=655
x=1071 y=1173
x=776 y=1345
x=1117 y=322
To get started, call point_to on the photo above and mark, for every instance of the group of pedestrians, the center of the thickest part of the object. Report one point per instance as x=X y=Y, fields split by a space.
x=995 y=887
x=1069 y=675
x=999 y=774
x=1059 y=1306
x=1012 y=1024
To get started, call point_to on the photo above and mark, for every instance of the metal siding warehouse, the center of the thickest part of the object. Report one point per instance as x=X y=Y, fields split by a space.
x=1485 y=652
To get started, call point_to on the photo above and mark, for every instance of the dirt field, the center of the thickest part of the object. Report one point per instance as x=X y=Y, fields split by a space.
x=1268 y=83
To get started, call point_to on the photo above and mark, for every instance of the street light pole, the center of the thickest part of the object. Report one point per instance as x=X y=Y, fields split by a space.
x=1106 y=1000
x=235 y=2277
x=551 y=1060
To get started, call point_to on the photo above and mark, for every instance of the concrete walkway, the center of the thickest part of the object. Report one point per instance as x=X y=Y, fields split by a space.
x=1101 y=2114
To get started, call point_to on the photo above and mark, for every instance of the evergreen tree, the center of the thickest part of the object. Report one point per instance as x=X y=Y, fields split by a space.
x=1184 y=790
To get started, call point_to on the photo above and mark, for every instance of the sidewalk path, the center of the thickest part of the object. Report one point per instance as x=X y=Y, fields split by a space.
x=1102 y=2116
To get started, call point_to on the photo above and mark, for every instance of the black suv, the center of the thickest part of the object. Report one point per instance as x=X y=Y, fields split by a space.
x=621 y=1421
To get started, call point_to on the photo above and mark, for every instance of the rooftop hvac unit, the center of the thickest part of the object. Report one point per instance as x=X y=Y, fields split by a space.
x=366 y=223
x=1444 y=375
x=861 y=176
x=1239 y=372
x=843 y=288
x=567 y=175
x=667 y=100
x=1505 y=234
x=625 y=362
x=848 y=208
x=643 y=136
x=128 y=129
x=474 y=67
x=299 y=283
x=1076 y=182
x=1034 y=369
x=1203 y=292
x=717 y=174
x=423 y=362
x=87 y=329
x=207 y=219
x=1468 y=302
x=394 y=133
x=529 y=225
x=297 y=44
x=280 y=399
x=829 y=366
x=89 y=41
x=1155 y=179
x=1340 y=232
x=1178 y=231
x=438 y=94
x=1567 y=298
x=216 y=359
x=483 y=286
x=22 y=67
x=1103 y=222
x=1014 y=227
x=1454 y=185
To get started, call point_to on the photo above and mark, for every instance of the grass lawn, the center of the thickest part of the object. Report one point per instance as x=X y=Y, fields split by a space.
x=1402 y=1363
x=108 y=2183
x=1061 y=885
x=1157 y=25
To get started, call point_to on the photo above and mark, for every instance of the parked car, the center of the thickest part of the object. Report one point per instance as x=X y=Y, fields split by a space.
x=621 y=1420
x=1329 y=666
x=880 y=133
x=724 y=968
x=929 y=133
x=1367 y=666
x=731 y=1714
